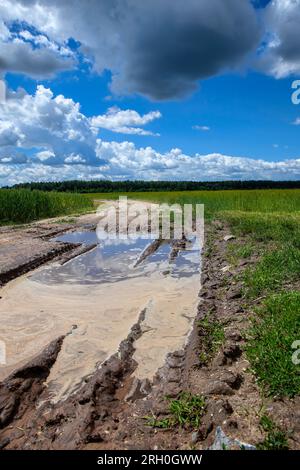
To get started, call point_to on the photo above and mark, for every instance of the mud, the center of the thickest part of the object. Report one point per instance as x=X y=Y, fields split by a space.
x=108 y=410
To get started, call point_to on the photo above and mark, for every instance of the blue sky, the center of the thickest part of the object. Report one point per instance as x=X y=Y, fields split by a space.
x=205 y=102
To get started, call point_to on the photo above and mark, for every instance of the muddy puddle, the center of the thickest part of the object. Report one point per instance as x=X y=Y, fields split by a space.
x=94 y=300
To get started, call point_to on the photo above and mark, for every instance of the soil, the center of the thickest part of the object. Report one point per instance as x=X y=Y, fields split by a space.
x=109 y=411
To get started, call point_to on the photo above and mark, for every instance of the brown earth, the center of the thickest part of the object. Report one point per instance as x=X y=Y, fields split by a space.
x=109 y=411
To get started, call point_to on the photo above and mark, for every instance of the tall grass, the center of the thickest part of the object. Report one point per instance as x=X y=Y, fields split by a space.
x=22 y=205
x=217 y=201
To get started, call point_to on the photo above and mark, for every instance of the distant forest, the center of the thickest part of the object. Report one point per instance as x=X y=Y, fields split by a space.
x=103 y=186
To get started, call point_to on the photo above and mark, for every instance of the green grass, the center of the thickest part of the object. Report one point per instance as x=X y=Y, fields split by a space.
x=275 y=439
x=273 y=271
x=185 y=411
x=269 y=347
x=266 y=201
x=23 y=206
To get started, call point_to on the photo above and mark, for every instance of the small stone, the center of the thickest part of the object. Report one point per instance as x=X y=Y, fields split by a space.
x=228 y=237
x=226 y=268
x=195 y=437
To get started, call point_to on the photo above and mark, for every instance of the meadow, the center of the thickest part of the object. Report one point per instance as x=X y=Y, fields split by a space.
x=23 y=206
x=280 y=201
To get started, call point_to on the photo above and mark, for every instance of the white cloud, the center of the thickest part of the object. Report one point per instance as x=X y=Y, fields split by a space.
x=297 y=122
x=125 y=121
x=281 y=55
x=53 y=125
x=125 y=161
x=201 y=128
x=46 y=137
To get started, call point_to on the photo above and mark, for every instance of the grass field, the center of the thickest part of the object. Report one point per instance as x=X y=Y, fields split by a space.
x=21 y=206
x=266 y=201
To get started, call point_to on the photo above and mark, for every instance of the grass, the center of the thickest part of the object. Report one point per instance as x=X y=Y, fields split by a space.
x=211 y=333
x=23 y=206
x=269 y=347
x=266 y=201
x=275 y=439
x=185 y=411
x=273 y=271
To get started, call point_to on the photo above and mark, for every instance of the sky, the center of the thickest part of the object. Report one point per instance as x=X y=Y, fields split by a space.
x=155 y=90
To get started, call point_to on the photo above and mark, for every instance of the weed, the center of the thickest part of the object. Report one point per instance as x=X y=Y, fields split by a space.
x=185 y=411
x=275 y=439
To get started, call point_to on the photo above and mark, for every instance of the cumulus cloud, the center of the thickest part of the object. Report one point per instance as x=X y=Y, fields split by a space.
x=281 y=55
x=53 y=125
x=46 y=137
x=126 y=161
x=160 y=49
x=125 y=121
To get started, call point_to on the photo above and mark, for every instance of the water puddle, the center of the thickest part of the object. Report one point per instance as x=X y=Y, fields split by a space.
x=94 y=300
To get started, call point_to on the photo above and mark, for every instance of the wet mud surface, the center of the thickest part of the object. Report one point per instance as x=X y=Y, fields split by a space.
x=57 y=401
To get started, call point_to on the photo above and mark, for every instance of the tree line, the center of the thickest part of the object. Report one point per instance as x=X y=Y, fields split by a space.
x=105 y=186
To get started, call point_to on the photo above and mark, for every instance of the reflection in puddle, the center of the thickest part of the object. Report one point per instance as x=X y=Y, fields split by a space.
x=102 y=292
x=114 y=260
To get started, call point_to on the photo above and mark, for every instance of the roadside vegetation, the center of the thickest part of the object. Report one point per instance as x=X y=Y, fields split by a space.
x=186 y=411
x=23 y=206
x=275 y=439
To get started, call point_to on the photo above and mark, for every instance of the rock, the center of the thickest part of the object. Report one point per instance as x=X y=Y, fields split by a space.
x=222 y=442
x=195 y=437
x=229 y=237
x=226 y=268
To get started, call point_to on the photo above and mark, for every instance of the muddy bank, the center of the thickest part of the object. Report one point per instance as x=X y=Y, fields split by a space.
x=25 y=248
x=116 y=311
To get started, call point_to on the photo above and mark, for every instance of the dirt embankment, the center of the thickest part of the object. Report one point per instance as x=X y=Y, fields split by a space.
x=109 y=411
x=24 y=248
